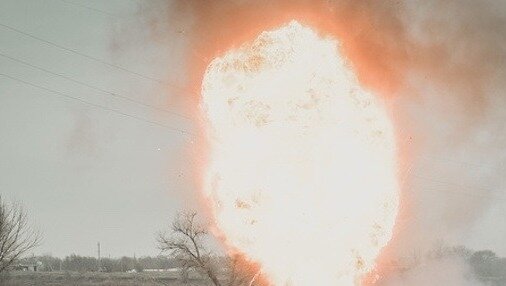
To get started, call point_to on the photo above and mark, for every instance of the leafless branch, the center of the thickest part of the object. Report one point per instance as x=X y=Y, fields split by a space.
x=17 y=236
x=242 y=272
x=186 y=243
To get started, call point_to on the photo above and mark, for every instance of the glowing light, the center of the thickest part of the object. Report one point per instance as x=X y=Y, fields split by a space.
x=302 y=170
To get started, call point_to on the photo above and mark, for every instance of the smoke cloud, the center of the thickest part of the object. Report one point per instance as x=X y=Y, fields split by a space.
x=441 y=67
x=440 y=272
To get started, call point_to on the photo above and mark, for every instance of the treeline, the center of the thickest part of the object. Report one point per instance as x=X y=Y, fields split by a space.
x=91 y=264
x=485 y=264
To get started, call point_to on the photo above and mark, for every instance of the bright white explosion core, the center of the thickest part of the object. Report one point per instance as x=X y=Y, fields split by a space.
x=302 y=173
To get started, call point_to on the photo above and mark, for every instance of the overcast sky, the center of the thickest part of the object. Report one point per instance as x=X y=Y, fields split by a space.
x=93 y=144
x=86 y=172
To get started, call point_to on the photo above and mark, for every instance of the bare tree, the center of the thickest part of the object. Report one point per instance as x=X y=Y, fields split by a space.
x=17 y=236
x=186 y=242
x=241 y=272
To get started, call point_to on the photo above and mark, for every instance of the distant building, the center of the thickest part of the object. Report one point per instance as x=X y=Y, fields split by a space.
x=25 y=267
x=172 y=270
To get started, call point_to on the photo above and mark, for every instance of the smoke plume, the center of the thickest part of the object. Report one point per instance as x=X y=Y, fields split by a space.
x=440 y=272
x=441 y=67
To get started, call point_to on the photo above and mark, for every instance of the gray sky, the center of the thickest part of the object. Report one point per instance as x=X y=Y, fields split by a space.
x=86 y=173
x=115 y=171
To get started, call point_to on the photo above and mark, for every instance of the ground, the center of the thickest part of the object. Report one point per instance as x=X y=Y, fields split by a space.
x=95 y=279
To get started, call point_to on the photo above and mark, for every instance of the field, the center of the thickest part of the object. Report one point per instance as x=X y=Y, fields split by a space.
x=96 y=279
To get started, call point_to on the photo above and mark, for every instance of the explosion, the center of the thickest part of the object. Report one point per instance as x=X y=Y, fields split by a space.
x=302 y=171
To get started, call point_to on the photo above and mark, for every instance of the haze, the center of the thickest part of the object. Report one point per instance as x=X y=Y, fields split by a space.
x=90 y=165
x=86 y=173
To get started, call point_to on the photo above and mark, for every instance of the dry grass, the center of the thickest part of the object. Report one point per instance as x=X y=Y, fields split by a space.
x=95 y=279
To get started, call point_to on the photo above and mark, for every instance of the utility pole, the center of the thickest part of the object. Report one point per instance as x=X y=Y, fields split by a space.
x=99 y=262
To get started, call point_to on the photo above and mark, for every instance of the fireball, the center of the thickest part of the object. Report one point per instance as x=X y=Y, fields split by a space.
x=302 y=170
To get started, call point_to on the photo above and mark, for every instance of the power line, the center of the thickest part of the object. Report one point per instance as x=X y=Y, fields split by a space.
x=480 y=166
x=85 y=55
x=449 y=183
x=183 y=132
x=459 y=193
x=119 y=17
x=90 y=8
x=91 y=58
x=471 y=194
x=94 y=87
x=409 y=173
